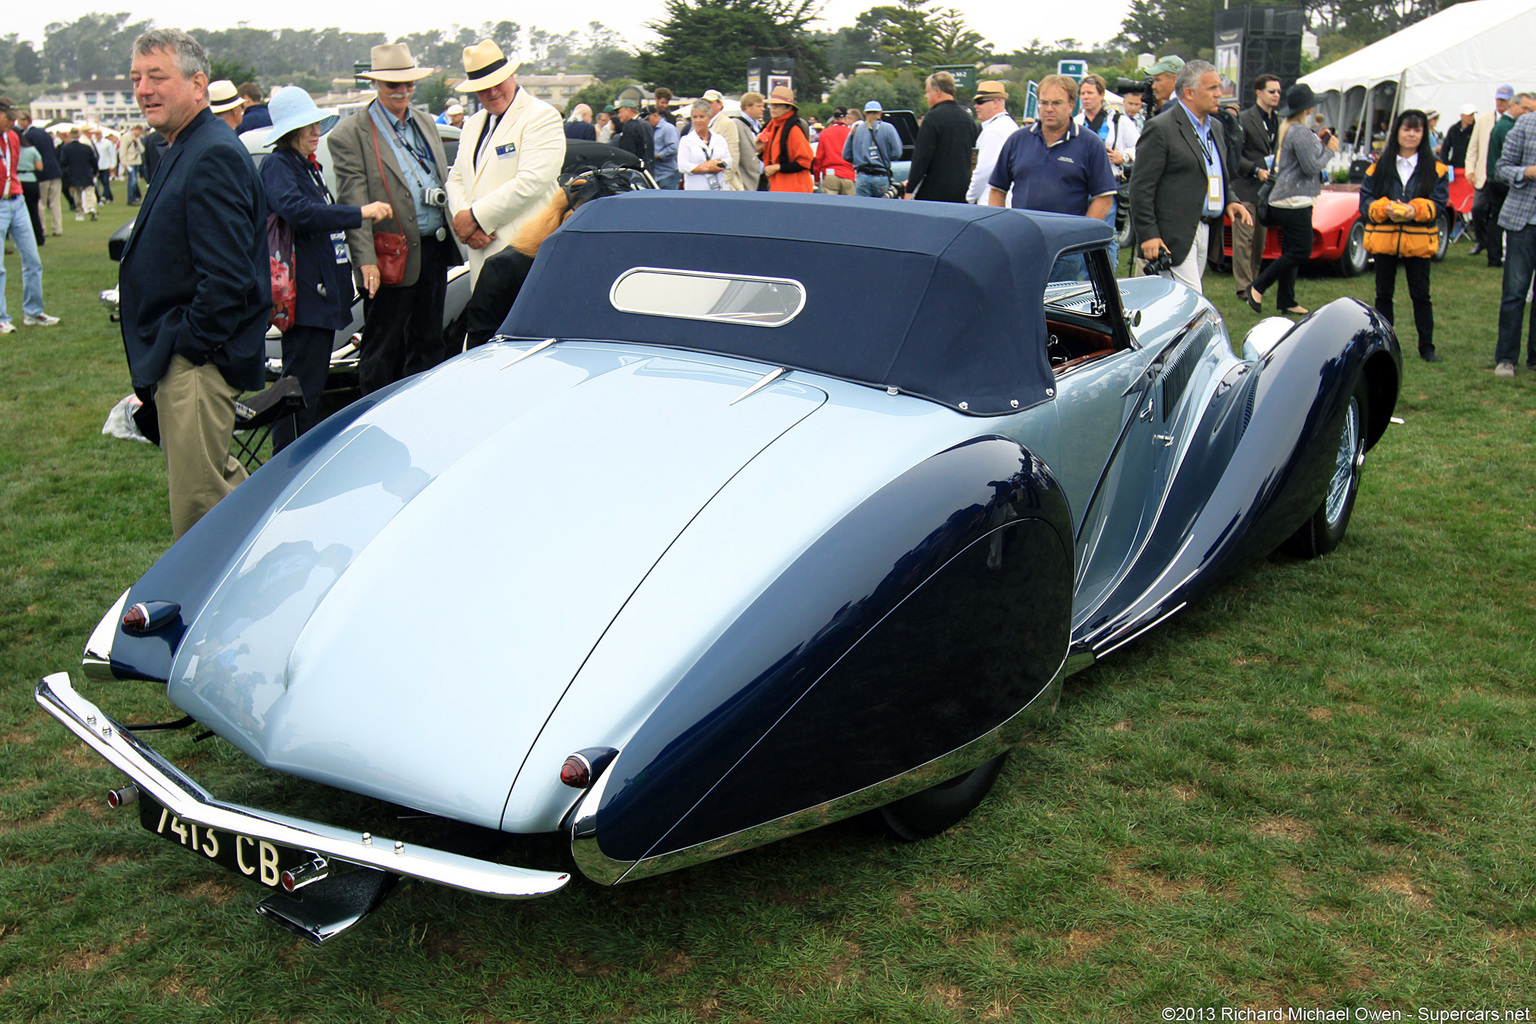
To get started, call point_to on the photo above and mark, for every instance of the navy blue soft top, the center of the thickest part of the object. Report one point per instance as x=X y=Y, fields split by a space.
x=941 y=300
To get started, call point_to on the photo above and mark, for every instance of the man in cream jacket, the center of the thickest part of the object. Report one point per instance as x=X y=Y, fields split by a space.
x=510 y=153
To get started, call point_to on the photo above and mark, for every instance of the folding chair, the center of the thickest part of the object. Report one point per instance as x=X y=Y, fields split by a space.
x=255 y=416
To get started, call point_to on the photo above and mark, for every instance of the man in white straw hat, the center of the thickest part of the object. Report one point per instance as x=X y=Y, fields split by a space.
x=509 y=158
x=389 y=152
x=227 y=104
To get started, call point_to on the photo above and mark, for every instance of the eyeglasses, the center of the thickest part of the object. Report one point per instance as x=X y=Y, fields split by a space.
x=1052 y=103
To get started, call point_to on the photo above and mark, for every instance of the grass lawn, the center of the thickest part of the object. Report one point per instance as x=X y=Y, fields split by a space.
x=1314 y=790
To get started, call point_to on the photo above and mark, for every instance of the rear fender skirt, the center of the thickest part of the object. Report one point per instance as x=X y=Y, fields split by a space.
x=1235 y=498
x=928 y=617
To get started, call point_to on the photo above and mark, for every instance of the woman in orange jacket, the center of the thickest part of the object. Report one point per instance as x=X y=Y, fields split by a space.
x=787 y=153
x=1401 y=199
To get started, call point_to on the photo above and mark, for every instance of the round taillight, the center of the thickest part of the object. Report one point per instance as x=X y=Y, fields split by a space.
x=148 y=616
x=576 y=772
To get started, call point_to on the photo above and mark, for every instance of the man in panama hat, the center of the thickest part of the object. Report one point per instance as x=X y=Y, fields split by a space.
x=509 y=156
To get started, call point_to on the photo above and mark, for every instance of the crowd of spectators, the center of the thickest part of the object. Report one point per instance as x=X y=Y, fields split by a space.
x=1171 y=165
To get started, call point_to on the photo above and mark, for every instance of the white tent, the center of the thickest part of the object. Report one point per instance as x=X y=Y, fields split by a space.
x=1457 y=56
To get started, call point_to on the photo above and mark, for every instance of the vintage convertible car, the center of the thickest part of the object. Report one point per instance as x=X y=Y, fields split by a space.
x=709 y=550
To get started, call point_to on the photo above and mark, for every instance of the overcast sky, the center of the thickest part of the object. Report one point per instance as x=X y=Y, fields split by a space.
x=1006 y=26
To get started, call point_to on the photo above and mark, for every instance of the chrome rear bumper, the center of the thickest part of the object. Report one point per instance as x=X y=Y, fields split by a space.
x=173 y=789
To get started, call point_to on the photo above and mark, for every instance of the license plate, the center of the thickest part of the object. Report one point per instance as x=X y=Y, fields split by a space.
x=260 y=860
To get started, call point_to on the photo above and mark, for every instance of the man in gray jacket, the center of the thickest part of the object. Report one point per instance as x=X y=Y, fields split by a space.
x=389 y=152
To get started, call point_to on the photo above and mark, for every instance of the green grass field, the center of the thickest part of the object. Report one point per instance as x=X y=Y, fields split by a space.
x=1314 y=790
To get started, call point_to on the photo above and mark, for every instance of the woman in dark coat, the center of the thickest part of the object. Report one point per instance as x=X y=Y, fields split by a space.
x=297 y=193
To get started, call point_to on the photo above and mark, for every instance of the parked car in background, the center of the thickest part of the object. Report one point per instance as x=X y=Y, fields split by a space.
x=700 y=554
x=1338 y=232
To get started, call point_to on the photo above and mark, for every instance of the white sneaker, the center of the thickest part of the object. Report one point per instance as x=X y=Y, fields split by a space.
x=6 y=327
x=41 y=320
x=1504 y=370
x=79 y=216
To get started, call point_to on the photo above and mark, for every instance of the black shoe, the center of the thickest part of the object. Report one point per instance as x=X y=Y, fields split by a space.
x=1256 y=305
x=1431 y=356
x=1495 y=264
x=1477 y=247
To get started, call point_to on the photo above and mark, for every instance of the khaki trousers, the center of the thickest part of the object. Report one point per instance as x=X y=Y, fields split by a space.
x=50 y=205
x=831 y=184
x=1247 y=249
x=196 y=410
x=85 y=200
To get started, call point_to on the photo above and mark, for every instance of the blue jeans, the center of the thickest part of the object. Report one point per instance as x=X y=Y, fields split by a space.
x=872 y=185
x=1519 y=264
x=1071 y=267
x=17 y=223
x=132 y=174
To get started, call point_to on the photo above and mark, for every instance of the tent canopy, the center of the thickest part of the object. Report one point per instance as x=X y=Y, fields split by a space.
x=1457 y=56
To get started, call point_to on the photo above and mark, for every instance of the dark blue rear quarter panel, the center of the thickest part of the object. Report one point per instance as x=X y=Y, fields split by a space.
x=888 y=643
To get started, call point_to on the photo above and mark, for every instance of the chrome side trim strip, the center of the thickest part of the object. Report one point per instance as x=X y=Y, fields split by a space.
x=96 y=662
x=1116 y=644
x=185 y=798
x=600 y=868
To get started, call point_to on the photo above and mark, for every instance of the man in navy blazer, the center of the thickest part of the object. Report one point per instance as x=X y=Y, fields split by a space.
x=194 y=282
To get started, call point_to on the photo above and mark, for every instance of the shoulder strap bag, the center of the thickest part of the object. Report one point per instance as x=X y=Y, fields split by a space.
x=285 y=293
x=389 y=247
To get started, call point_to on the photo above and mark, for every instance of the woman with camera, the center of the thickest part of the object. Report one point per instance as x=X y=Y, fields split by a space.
x=1300 y=157
x=702 y=156
x=1400 y=200
x=322 y=274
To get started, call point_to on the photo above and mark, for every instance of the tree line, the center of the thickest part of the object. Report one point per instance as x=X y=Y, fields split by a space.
x=699 y=45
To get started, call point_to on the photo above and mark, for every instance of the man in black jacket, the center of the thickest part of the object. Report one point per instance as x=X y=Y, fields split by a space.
x=635 y=134
x=941 y=160
x=78 y=162
x=1260 y=126
x=194 y=278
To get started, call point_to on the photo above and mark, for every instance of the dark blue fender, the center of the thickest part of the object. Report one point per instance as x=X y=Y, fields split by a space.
x=929 y=616
x=1263 y=453
x=188 y=572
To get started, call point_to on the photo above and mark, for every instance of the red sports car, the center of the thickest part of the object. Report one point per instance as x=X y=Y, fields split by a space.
x=1338 y=235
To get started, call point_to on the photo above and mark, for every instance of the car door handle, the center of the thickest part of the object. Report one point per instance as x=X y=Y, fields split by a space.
x=1167 y=439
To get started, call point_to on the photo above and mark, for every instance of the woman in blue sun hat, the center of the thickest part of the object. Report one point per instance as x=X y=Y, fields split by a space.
x=296 y=192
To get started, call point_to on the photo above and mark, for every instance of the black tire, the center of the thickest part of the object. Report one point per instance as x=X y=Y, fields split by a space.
x=1324 y=530
x=1443 y=225
x=1354 y=259
x=939 y=808
x=1123 y=234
